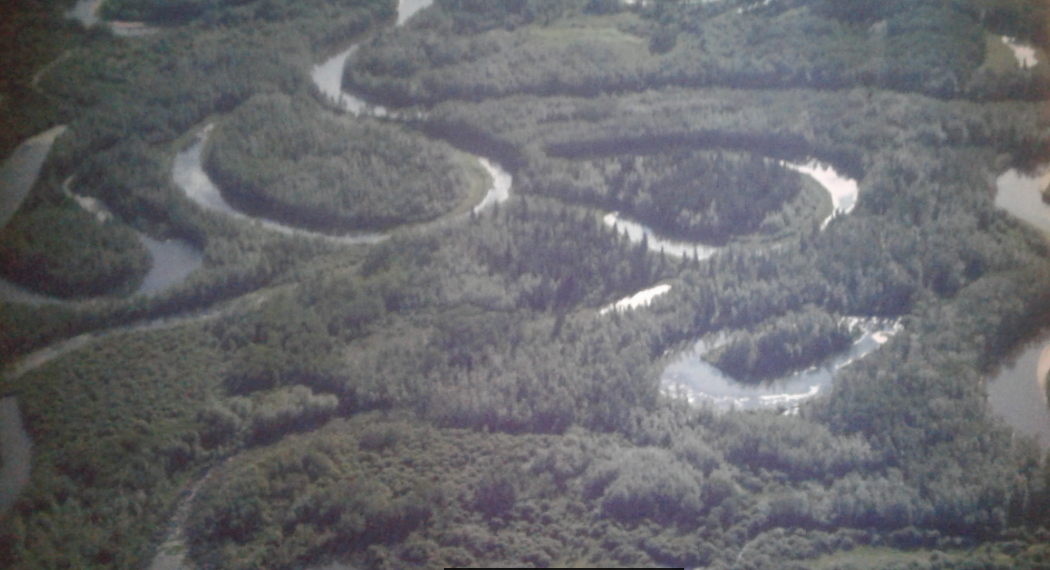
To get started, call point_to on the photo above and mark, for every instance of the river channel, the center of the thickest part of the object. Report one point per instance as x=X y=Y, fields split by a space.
x=691 y=377
x=1015 y=393
x=841 y=189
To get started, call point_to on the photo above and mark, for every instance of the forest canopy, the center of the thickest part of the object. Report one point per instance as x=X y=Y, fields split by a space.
x=452 y=394
x=292 y=161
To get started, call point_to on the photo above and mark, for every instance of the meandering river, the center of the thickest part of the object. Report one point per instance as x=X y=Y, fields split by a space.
x=842 y=190
x=691 y=377
x=1016 y=391
x=189 y=174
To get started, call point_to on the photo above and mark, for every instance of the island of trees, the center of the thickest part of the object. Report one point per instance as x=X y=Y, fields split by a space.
x=287 y=160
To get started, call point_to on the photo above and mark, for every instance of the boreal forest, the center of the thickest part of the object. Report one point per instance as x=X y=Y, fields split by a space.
x=368 y=284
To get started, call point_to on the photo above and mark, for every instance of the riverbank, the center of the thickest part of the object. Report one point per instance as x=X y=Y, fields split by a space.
x=1011 y=393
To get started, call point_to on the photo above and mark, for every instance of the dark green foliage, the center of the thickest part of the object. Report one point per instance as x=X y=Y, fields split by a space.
x=792 y=342
x=648 y=483
x=65 y=252
x=709 y=197
x=324 y=20
x=133 y=180
x=560 y=257
x=495 y=496
x=292 y=339
x=33 y=34
x=944 y=46
x=288 y=160
x=926 y=47
x=572 y=457
x=111 y=447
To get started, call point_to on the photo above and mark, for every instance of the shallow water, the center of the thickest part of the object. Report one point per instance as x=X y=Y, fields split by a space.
x=190 y=176
x=635 y=231
x=1024 y=54
x=328 y=75
x=1014 y=393
x=1021 y=195
x=691 y=377
x=173 y=261
x=639 y=299
x=843 y=190
x=501 y=183
x=406 y=8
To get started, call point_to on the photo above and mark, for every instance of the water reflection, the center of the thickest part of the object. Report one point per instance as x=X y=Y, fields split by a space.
x=1021 y=195
x=699 y=382
x=198 y=186
x=843 y=190
x=1016 y=393
x=639 y=299
x=1024 y=54
x=406 y=8
x=173 y=261
x=501 y=183
x=12 y=293
x=328 y=75
x=189 y=175
x=636 y=231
